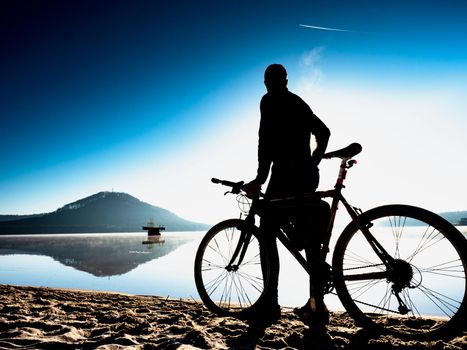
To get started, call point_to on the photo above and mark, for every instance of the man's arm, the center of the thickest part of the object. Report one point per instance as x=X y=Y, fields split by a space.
x=264 y=156
x=321 y=133
x=264 y=153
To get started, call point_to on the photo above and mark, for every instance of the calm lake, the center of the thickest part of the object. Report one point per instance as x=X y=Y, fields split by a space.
x=120 y=262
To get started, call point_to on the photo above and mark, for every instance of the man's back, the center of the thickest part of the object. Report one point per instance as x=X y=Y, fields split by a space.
x=286 y=127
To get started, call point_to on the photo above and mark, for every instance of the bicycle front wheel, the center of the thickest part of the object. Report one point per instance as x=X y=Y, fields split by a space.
x=231 y=288
x=422 y=292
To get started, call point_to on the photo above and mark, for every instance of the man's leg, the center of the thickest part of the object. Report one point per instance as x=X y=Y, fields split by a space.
x=315 y=313
x=269 y=244
x=268 y=311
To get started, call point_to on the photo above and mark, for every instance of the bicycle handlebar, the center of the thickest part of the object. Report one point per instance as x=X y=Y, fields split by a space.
x=236 y=186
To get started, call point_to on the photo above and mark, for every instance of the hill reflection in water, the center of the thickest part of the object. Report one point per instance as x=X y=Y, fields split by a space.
x=98 y=254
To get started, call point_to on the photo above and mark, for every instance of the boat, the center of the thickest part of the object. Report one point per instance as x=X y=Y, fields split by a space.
x=154 y=233
x=152 y=229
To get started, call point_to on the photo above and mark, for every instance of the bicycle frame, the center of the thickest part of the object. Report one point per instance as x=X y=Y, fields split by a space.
x=336 y=195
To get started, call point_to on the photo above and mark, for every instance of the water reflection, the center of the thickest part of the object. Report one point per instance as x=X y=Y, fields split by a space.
x=98 y=254
x=154 y=240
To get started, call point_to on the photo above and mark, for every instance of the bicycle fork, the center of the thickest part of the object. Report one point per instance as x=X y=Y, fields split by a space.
x=240 y=249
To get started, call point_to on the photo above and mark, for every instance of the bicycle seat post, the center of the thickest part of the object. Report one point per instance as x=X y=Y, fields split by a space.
x=342 y=174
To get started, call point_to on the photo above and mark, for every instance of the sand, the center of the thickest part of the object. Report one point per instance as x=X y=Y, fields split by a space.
x=45 y=318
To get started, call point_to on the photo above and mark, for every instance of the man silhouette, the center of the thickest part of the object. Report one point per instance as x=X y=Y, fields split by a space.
x=286 y=125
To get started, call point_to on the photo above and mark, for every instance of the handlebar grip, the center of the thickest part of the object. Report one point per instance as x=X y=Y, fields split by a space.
x=235 y=185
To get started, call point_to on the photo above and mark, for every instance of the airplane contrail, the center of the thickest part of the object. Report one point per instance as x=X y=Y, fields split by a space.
x=325 y=28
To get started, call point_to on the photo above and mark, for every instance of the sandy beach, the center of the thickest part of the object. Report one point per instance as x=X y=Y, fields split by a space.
x=45 y=318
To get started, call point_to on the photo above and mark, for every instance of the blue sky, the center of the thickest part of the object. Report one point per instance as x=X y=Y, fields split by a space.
x=154 y=97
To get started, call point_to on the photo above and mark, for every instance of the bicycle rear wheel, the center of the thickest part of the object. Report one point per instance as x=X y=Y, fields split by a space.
x=231 y=290
x=426 y=279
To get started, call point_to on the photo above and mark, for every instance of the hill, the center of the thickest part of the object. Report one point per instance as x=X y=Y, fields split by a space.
x=101 y=212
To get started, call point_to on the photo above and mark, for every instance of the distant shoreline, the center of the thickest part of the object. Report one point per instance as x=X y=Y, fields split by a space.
x=98 y=233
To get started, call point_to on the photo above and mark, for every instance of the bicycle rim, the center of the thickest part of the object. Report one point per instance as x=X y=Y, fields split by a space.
x=223 y=289
x=429 y=275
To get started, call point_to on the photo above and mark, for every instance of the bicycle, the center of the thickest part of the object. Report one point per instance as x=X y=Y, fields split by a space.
x=391 y=265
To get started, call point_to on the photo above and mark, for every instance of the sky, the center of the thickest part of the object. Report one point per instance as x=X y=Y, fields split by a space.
x=153 y=98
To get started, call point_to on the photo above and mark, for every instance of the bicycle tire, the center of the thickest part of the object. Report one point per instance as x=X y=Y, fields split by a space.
x=436 y=286
x=236 y=292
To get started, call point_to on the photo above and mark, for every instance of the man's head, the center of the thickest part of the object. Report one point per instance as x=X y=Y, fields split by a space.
x=275 y=77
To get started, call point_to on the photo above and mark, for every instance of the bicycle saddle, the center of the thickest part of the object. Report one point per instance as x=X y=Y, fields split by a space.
x=347 y=152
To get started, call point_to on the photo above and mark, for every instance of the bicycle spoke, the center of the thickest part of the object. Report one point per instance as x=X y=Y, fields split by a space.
x=255 y=282
x=424 y=242
x=440 y=299
x=409 y=302
x=382 y=308
x=229 y=241
x=211 y=265
x=363 y=288
x=386 y=300
x=212 y=285
x=352 y=258
x=237 y=291
x=215 y=283
x=397 y=232
x=452 y=268
x=225 y=292
x=251 y=261
x=218 y=251
x=235 y=288
x=243 y=294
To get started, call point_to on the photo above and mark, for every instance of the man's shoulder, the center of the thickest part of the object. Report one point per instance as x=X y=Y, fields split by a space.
x=265 y=99
x=266 y=96
x=291 y=95
x=286 y=97
x=280 y=95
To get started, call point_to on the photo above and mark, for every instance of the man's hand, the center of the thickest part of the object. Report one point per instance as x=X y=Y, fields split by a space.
x=252 y=188
x=315 y=159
